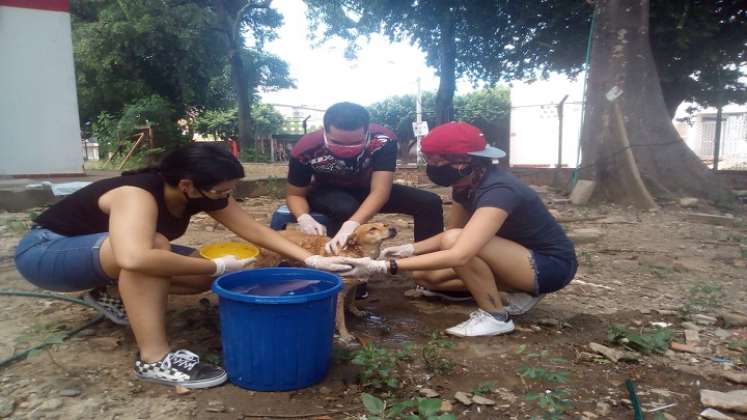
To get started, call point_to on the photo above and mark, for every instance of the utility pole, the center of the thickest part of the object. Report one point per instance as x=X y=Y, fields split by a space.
x=560 y=140
x=717 y=139
x=419 y=119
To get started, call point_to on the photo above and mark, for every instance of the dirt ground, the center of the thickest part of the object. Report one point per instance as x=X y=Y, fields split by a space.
x=636 y=268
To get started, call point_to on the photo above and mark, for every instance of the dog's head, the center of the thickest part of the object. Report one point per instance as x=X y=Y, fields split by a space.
x=369 y=236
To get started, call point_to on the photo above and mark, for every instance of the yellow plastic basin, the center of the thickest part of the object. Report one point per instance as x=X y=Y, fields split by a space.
x=239 y=250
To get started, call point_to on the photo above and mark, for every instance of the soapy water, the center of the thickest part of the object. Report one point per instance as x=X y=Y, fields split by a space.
x=290 y=287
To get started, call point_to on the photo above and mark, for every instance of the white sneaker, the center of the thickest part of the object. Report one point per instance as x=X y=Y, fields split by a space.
x=481 y=323
x=520 y=303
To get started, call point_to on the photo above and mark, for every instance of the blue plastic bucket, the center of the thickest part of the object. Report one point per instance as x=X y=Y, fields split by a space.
x=277 y=326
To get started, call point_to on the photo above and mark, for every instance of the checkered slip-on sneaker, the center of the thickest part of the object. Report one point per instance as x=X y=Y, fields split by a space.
x=109 y=306
x=181 y=367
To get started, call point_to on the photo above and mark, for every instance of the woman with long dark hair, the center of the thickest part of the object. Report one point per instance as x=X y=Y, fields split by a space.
x=114 y=237
x=499 y=237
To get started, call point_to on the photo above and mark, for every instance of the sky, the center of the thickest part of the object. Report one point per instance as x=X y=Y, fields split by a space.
x=323 y=75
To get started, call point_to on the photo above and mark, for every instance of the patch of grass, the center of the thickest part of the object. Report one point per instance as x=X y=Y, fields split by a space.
x=433 y=356
x=702 y=298
x=644 y=340
x=42 y=333
x=726 y=200
x=425 y=409
x=379 y=365
x=588 y=260
x=739 y=346
x=552 y=400
x=483 y=388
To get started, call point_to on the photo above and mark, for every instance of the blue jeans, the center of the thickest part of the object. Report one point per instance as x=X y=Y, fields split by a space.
x=65 y=263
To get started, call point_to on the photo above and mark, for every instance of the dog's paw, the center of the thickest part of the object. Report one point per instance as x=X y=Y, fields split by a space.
x=358 y=313
x=346 y=340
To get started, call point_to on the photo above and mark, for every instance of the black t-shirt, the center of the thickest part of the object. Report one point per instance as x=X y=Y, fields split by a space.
x=79 y=213
x=528 y=223
x=311 y=159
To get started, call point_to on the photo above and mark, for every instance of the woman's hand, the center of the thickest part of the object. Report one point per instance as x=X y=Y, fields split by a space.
x=399 y=251
x=333 y=264
x=363 y=267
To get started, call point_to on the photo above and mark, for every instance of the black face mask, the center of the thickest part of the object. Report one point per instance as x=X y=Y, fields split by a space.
x=446 y=175
x=196 y=205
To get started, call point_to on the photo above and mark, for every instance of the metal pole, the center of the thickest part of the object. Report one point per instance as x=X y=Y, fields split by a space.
x=419 y=119
x=560 y=131
x=717 y=139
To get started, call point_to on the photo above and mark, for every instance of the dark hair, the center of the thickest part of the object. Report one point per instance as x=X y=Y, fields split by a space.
x=205 y=164
x=346 y=116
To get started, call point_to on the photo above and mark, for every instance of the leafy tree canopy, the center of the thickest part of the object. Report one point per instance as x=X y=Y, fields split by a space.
x=698 y=45
x=129 y=50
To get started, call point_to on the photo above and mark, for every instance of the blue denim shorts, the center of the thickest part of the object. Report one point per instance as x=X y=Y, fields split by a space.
x=552 y=273
x=66 y=263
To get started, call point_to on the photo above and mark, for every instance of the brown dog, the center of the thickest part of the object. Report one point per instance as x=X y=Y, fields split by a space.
x=365 y=241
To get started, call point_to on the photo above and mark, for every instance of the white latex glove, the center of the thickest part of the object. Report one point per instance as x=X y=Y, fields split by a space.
x=333 y=264
x=339 y=240
x=310 y=225
x=228 y=264
x=399 y=251
x=363 y=267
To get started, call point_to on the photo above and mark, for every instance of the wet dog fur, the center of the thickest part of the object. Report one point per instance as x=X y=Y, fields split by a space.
x=365 y=241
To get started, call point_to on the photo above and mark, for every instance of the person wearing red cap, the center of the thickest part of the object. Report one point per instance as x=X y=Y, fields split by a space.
x=500 y=236
x=346 y=171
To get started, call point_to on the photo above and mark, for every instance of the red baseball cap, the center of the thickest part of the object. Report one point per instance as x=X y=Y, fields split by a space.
x=458 y=138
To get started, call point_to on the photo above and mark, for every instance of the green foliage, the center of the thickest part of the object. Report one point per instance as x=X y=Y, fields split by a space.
x=42 y=333
x=698 y=46
x=379 y=365
x=554 y=402
x=645 y=341
x=481 y=108
x=542 y=374
x=169 y=58
x=726 y=200
x=427 y=409
x=433 y=357
x=702 y=298
x=739 y=346
x=224 y=123
x=483 y=388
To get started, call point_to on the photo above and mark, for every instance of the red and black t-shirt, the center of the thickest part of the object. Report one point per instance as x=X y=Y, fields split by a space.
x=311 y=159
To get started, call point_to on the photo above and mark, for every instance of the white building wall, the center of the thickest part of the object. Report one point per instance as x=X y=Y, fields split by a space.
x=534 y=121
x=39 y=123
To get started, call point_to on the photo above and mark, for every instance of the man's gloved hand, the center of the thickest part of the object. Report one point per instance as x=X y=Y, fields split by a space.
x=399 y=251
x=310 y=225
x=229 y=264
x=333 y=264
x=363 y=267
x=339 y=240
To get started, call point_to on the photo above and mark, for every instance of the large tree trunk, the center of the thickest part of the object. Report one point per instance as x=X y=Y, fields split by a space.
x=621 y=57
x=446 y=70
x=238 y=75
x=241 y=85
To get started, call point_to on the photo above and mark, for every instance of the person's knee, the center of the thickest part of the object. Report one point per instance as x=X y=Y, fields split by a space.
x=431 y=202
x=449 y=238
